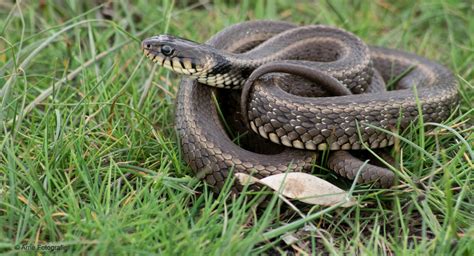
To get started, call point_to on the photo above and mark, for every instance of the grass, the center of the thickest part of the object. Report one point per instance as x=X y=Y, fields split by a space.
x=89 y=159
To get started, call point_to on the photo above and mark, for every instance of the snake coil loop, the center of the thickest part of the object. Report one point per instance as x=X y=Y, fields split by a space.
x=286 y=110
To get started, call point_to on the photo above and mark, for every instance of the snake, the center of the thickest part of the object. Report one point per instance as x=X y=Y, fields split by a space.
x=295 y=92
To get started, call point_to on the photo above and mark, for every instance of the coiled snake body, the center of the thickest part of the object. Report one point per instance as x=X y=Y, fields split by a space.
x=287 y=109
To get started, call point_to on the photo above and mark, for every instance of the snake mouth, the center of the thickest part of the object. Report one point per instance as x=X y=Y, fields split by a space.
x=180 y=65
x=155 y=56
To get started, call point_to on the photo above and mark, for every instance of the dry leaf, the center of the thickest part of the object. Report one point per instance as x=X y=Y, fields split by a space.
x=289 y=238
x=246 y=179
x=303 y=187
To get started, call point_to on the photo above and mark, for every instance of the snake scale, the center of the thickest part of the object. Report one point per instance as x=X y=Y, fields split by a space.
x=300 y=90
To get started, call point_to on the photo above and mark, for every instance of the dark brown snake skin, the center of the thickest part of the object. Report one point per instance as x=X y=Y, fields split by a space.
x=278 y=111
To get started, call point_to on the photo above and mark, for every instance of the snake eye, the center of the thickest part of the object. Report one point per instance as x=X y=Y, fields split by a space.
x=167 y=50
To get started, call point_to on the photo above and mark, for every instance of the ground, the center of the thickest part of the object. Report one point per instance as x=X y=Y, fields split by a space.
x=89 y=160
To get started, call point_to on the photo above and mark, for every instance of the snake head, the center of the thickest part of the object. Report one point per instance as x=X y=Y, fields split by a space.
x=177 y=54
